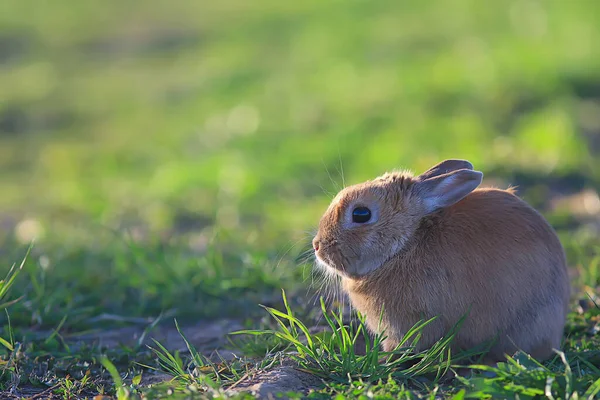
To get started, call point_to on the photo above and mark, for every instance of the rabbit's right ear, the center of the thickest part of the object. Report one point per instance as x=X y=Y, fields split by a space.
x=444 y=167
x=444 y=190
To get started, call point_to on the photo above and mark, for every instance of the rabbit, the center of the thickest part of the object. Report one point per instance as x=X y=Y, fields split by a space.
x=411 y=248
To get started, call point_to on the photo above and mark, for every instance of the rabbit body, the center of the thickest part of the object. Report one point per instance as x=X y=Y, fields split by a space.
x=486 y=253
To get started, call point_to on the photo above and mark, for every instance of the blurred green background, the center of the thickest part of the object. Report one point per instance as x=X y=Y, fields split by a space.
x=177 y=155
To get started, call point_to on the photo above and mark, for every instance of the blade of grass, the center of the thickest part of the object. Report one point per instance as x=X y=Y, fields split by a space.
x=12 y=274
x=56 y=330
x=147 y=330
x=593 y=390
x=112 y=370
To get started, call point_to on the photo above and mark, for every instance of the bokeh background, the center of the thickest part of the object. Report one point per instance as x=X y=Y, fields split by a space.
x=177 y=155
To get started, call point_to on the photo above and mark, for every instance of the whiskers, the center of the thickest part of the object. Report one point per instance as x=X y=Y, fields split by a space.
x=326 y=284
x=341 y=169
x=306 y=242
x=306 y=256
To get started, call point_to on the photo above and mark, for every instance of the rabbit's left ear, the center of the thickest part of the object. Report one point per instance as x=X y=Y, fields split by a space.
x=447 y=189
x=444 y=167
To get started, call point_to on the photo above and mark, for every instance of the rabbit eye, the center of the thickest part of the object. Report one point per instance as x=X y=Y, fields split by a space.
x=361 y=215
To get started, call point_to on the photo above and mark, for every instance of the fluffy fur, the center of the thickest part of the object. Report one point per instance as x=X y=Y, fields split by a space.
x=436 y=246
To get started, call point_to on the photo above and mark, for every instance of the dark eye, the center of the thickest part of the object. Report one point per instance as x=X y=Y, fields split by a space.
x=360 y=215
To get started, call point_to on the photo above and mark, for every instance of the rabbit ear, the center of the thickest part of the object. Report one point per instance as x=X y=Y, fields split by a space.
x=444 y=167
x=444 y=190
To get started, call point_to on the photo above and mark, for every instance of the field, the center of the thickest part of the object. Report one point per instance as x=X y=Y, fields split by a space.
x=163 y=169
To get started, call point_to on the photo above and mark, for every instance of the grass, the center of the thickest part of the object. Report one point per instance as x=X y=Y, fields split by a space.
x=171 y=161
x=333 y=354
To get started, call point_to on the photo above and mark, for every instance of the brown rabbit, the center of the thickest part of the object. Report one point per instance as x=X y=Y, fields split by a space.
x=435 y=245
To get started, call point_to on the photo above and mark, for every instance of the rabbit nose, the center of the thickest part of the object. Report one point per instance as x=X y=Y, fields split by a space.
x=316 y=244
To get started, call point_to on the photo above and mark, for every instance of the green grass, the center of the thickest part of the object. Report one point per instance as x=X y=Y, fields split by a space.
x=171 y=161
x=333 y=354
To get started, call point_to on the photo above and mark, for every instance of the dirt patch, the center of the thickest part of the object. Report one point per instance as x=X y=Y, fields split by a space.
x=206 y=336
x=276 y=382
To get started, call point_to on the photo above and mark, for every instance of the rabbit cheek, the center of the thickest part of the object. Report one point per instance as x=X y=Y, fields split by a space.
x=369 y=263
x=374 y=254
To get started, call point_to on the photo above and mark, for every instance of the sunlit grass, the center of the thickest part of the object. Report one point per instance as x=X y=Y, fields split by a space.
x=521 y=375
x=334 y=354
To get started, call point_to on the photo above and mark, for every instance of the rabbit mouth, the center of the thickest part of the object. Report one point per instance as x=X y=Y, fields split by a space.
x=341 y=265
x=326 y=262
x=332 y=259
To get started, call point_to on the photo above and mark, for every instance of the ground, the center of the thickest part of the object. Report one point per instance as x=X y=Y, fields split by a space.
x=171 y=162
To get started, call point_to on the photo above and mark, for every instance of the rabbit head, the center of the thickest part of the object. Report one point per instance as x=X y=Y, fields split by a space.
x=367 y=224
